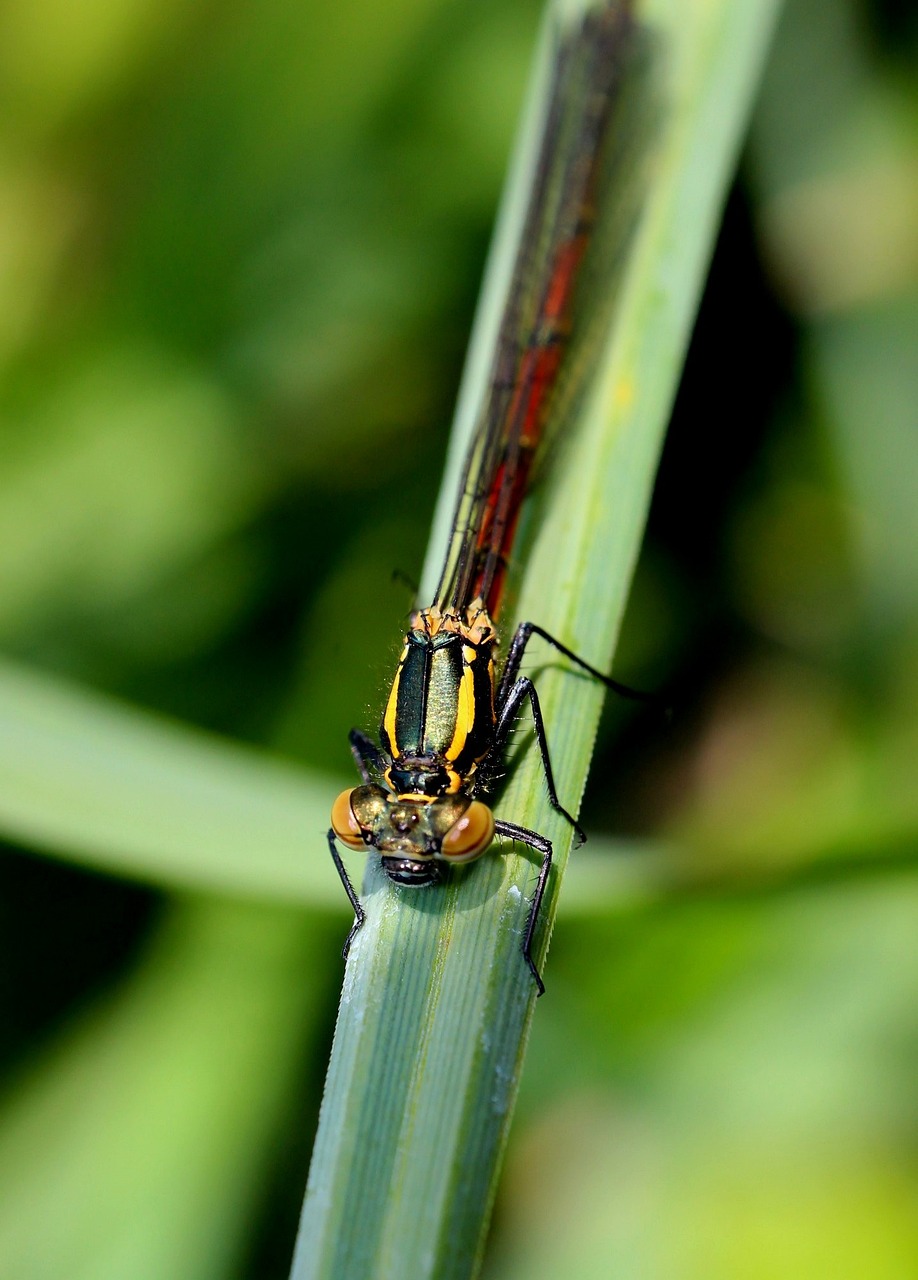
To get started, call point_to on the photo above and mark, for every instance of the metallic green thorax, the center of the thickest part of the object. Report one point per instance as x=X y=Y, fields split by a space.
x=439 y=721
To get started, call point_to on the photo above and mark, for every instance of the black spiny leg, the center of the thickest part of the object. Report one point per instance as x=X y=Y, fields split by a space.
x=525 y=631
x=367 y=756
x=543 y=846
x=507 y=706
x=359 y=913
x=513 y=688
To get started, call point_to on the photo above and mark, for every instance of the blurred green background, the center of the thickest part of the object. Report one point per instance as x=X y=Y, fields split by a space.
x=240 y=246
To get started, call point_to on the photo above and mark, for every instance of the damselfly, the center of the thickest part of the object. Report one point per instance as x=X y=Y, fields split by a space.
x=448 y=715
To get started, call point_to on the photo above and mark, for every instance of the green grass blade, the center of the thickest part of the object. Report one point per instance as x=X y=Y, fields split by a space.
x=437 y=1000
x=93 y=780
x=107 y=785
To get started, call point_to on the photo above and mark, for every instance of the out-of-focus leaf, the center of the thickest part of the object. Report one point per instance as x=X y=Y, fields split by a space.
x=755 y=1099
x=57 y=61
x=865 y=374
x=92 y=780
x=131 y=469
x=85 y=777
x=785 y=775
x=137 y=1146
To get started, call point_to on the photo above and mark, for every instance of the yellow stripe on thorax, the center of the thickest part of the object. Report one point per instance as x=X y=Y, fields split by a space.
x=392 y=705
x=465 y=706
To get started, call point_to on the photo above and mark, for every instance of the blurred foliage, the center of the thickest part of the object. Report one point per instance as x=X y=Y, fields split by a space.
x=239 y=247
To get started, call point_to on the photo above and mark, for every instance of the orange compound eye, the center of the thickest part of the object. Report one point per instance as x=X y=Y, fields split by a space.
x=470 y=836
x=344 y=824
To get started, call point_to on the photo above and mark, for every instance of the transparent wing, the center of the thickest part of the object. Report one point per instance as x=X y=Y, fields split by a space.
x=583 y=163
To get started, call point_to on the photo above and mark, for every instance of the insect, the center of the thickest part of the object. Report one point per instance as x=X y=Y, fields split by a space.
x=449 y=713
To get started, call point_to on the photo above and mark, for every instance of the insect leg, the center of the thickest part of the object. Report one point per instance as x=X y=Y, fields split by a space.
x=543 y=846
x=523 y=634
x=359 y=913
x=507 y=705
x=366 y=755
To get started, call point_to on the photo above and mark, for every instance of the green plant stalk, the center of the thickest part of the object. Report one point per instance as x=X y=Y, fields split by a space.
x=436 y=1001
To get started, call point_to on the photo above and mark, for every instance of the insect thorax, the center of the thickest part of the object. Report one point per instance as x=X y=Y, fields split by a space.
x=439 y=719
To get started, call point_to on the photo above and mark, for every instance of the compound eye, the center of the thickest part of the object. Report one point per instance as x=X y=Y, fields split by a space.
x=470 y=836
x=344 y=824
